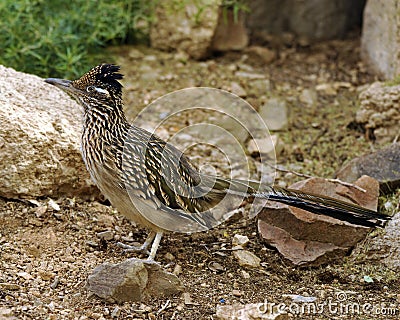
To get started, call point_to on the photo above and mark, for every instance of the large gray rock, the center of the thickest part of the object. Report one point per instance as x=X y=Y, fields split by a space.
x=313 y=19
x=379 y=111
x=132 y=280
x=382 y=165
x=187 y=27
x=380 y=40
x=39 y=140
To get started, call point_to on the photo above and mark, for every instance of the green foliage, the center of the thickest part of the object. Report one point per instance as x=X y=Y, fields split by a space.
x=394 y=82
x=62 y=38
x=236 y=6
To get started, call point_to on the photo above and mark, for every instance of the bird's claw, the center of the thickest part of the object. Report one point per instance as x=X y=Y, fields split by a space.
x=128 y=248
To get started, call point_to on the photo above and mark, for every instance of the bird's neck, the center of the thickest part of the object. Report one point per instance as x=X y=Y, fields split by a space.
x=105 y=124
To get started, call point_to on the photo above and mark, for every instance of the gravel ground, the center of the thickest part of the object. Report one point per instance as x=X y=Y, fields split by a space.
x=50 y=246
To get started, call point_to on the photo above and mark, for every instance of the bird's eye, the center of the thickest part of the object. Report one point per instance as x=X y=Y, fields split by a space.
x=90 y=89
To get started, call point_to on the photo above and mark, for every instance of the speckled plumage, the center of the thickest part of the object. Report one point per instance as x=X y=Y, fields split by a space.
x=138 y=172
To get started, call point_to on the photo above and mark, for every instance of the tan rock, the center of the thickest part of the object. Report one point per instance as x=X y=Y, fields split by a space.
x=247 y=258
x=240 y=240
x=275 y=113
x=132 y=280
x=380 y=40
x=266 y=55
x=39 y=140
x=265 y=146
x=237 y=89
x=379 y=111
x=189 y=29
x=230 y=33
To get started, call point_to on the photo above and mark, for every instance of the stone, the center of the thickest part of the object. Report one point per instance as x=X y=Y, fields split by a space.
x=305 y=238
x=383 y=247
x=9 y=286
x=250 y=311
x=187 y=299
x=239 y=240
x=249 y=75
x=275 y=114
x=132 y=280
x=326 y=88
x=264 y=54
x=106 y=235
x=237 y=293
x=260 y=87
x=39 y=140
x=237 y=89
x=230 y=33
x=189 y=29
x=308 y=97
x=265 y=146
x=382 y=165
x=6 y=313
x=379 y=111
x=380 y=38
x=247 y=258
x=313 y=20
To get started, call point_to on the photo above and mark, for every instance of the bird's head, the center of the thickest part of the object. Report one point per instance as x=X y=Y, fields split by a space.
x=99 y=88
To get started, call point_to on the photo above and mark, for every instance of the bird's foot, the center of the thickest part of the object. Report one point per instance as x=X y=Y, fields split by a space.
x=143 y=248
x=153 y=237
x=128 y=248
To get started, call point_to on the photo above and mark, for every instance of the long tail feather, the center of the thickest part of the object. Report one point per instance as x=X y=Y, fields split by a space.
x=324 y=205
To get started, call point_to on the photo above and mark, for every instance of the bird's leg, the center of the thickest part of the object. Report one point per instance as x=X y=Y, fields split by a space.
x=143 y=247
x=155 y=245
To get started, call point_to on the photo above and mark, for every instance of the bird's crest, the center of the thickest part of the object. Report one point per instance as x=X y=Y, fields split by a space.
x=104 y=75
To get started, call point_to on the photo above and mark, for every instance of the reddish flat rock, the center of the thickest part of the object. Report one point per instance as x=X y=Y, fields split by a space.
x=305 y=238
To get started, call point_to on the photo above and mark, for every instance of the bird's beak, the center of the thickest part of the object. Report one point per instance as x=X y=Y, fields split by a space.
x=61 y=83
x=65 y=85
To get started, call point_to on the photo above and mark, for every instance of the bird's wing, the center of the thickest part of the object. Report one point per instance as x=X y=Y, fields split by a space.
x=158 y=175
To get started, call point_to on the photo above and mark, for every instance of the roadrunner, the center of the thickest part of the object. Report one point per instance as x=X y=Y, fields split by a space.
x=153 y=184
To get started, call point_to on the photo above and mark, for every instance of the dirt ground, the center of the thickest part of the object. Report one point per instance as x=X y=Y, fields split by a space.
x=48 y=250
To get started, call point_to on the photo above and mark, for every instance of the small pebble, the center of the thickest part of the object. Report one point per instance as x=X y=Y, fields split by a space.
x=169 y=256
x=40 y=211
x=237 y=89
x=247 y=258
x=55 y=282
x=51 y=306
x=177 y=270
x=239 y=240
x=24 y=275
x=106 y=235
x=216 y=267
x=187 y=298
x=236 y=293
x=9 y=286
x=54 y=205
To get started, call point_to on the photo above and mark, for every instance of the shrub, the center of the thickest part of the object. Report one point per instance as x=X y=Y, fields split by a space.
x=63 y=38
